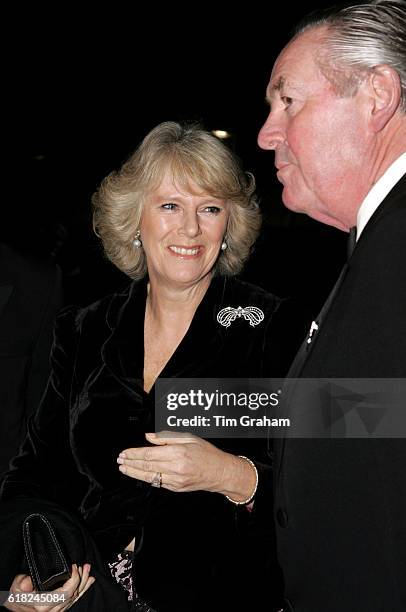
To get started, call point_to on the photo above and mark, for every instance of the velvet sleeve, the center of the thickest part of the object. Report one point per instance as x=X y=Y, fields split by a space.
x=45 y=466
x=39 y=366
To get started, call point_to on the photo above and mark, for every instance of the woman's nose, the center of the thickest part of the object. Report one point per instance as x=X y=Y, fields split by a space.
x=190 y=226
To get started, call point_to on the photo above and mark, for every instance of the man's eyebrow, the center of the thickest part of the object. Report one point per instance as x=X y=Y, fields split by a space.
x=275 y=88
x=278 y=86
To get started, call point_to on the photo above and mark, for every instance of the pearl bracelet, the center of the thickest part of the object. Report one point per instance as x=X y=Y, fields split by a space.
x=244 y=502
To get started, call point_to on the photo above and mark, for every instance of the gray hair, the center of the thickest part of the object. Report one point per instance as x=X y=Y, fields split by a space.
x=193 y=156
x=359 y=38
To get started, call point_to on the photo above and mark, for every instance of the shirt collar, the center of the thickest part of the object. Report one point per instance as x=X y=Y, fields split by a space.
x=379 y=192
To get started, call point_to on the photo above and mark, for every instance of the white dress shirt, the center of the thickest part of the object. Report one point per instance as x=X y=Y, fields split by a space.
x=379 y=192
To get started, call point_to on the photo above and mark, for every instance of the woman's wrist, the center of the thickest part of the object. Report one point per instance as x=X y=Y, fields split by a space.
x=243 y=481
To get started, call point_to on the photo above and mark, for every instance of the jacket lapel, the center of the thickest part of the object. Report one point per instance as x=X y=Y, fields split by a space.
x=202 y=339
x=123 y=350
x=305 y=349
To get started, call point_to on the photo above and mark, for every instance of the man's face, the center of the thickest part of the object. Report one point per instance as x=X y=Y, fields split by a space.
x=320 y=139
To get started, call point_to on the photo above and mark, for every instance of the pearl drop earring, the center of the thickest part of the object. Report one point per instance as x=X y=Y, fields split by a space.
x=224 y=245
x=137 y=242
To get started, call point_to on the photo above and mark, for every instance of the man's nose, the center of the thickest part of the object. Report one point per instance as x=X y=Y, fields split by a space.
x=272 y=133
x=190 y=225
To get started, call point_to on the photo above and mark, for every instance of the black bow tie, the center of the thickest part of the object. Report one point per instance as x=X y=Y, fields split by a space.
x=352 y=241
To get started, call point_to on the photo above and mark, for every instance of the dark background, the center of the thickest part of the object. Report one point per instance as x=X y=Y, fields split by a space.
x=81 y=92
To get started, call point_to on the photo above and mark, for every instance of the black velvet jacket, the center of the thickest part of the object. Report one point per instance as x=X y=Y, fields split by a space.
x=30 y=297
x=95 y=406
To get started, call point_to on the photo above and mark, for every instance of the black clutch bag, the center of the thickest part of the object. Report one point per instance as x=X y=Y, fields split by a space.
x=46 y=560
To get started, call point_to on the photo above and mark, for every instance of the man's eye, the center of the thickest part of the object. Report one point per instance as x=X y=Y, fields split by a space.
x=287 y=100
x=169 y=206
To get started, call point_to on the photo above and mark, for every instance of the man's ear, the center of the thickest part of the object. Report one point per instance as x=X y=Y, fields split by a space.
x=386 y=93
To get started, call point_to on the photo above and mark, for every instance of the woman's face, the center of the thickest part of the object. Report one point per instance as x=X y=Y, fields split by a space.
x=181 y=233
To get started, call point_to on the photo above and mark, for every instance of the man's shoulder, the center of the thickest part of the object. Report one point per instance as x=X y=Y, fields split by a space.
x=390 y=216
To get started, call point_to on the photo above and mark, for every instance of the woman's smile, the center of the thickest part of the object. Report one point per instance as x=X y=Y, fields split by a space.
x=184 y=252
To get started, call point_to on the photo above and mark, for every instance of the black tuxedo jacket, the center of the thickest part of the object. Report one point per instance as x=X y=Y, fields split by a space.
x=30 y=295
x=340 y=505
x=191 y=555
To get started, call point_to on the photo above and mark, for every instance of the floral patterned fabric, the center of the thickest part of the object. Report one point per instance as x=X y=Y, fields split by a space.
x=121 y=570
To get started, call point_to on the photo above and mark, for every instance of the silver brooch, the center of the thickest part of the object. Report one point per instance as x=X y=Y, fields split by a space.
x=251 y=313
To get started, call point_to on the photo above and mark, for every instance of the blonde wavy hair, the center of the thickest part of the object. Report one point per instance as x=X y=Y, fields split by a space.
x=192 y=155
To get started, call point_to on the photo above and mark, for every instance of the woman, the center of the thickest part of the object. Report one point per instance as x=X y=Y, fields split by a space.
x=179 y=218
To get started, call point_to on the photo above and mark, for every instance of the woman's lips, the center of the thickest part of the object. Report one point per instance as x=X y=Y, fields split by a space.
x=185 y=252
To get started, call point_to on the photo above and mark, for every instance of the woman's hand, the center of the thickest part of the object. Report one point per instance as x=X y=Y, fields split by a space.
x=73 y=588
x=189 y=463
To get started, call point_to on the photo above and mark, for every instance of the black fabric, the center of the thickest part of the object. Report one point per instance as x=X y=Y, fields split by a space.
x=352 y=241
x=105 y=595
x=30 y=296
x=303 y=353
x=340 y=504
x=198 y=551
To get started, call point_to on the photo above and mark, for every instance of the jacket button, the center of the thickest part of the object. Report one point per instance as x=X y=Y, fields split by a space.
x=282 y=517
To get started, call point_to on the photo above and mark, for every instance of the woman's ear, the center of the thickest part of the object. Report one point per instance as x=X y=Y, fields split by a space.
x=385 y=87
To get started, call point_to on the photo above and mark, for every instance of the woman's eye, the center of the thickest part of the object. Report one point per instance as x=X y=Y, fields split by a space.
x=169 y=206
x=287 y=100
x=212 y=209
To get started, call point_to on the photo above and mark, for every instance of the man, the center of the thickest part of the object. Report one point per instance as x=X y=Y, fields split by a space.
x=30 y=296
x=338 y=128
